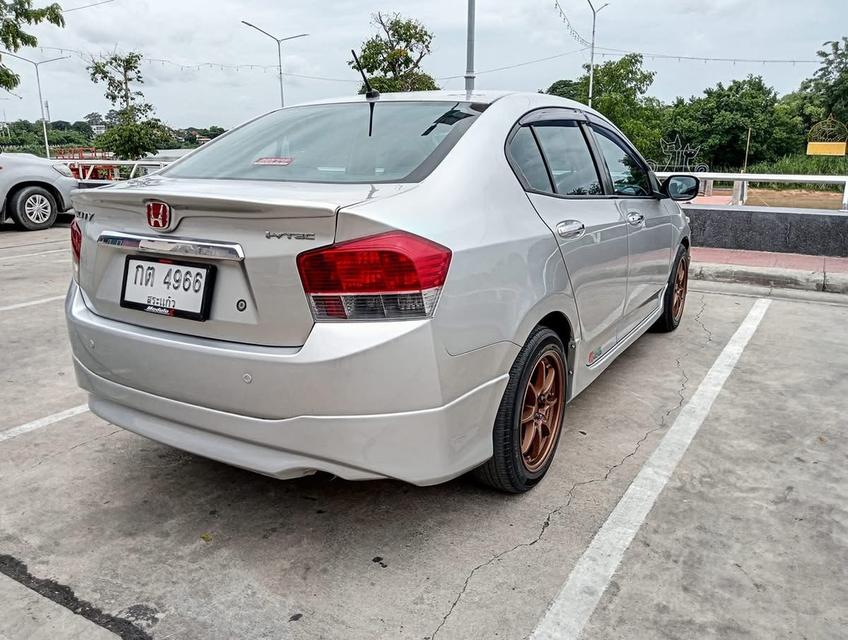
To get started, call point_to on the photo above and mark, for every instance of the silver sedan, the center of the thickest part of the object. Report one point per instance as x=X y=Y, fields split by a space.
x=409 y=286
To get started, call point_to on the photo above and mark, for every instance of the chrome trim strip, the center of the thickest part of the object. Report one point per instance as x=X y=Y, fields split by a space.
x=183 y=247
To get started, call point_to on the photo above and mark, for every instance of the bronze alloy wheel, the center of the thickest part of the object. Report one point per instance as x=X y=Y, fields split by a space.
x=541 y=413
x=681 y=280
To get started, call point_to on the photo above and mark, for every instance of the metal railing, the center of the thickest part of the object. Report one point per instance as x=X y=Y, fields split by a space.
x=85 y=168
x=741 y=180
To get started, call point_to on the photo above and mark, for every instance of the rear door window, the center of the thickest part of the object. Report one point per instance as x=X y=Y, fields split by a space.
x=569 y=159
x=335 y=143
x=527 y=159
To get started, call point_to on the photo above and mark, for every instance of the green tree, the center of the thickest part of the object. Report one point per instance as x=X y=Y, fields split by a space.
x=130 y=140
x=94 y=118
x=830 y=82
x=81 y=126
x=392 y=57
x=719 y=122
x=619 y=93
x=132 y=134
x=121 y=73
x=14 y=14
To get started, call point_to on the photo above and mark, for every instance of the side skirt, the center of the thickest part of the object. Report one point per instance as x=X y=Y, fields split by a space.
x=584 y=375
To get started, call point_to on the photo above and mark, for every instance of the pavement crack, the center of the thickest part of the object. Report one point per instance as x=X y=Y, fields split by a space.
x=681 y=392
x=68 y=450
x=700 y=322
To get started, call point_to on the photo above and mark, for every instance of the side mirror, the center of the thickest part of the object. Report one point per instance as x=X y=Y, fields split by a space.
x=680 y=187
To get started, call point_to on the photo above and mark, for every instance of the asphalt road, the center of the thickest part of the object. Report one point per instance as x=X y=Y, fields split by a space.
x=743 y=535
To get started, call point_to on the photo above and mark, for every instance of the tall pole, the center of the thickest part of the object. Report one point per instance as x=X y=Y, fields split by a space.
x=592 y=53
x=36 y=64
x=280 y=69
x=41 y=104
x=279 y=42
x=469 y=54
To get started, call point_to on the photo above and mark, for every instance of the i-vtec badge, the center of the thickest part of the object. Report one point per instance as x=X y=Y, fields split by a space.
x=289 y=236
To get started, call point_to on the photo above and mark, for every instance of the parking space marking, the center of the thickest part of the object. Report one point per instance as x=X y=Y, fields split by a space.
x=571 y=609
x=32 y=255
x=21 y=305
x=42 y=422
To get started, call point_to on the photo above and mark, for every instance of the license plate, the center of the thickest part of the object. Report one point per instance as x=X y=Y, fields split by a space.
x=168 y=287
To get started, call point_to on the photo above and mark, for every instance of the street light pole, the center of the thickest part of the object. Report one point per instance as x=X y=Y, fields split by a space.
x=595 y=13
x=36 y=64
x=279 y=42
x=469 y=52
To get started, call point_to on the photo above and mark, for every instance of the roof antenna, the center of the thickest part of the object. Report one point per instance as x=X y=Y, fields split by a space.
x=370 y=94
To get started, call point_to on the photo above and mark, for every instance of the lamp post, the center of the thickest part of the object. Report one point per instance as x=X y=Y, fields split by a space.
x=469 y=49
x=279 y=42
x=595 y=13
x=36 y=64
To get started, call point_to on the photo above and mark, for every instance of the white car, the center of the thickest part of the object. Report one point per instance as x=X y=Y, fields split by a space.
x=409 y=286
x=33 y=190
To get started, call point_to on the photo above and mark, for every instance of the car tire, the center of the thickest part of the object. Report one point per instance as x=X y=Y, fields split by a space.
x=33 y=208
x=529 y=421
x=674 y=299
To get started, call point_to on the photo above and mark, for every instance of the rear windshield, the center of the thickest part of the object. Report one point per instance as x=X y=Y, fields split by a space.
x=331 y=143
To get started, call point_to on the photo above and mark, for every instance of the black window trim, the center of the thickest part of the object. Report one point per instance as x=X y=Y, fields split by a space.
x=596 y=123
x=552 y=115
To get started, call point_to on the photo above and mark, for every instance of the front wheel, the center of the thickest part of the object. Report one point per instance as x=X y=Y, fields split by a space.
x=33 y=208
x=529 y=421
x=675 y=293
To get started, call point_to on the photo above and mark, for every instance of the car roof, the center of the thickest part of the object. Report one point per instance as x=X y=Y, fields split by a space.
x=478 y=96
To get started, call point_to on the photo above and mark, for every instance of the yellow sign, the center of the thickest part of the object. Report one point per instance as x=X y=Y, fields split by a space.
x=826 y=148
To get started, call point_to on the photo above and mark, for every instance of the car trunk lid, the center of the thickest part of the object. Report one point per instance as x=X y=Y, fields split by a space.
x=248 y=232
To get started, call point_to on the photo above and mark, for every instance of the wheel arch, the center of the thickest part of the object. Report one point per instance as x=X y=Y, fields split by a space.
x=60 y=203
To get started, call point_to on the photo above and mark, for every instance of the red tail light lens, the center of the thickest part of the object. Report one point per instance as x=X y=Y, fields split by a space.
x=392 y=275
x=76 y=246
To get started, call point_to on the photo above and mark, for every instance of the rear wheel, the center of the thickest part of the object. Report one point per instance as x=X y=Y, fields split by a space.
x=675 y=293
x=529 y=421
x=33 y=208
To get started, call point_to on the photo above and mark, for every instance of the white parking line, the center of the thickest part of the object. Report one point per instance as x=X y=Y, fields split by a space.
x=42 y=422
x=21 y=305
x=32 y=255
x=572 y=608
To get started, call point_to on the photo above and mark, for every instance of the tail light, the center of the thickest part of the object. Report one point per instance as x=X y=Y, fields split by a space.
x=76 y=246
x=394 y=275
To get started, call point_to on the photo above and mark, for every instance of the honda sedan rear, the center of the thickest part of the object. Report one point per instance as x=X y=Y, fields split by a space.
x=373 y=288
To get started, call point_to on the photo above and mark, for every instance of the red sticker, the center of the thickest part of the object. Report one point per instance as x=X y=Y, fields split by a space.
x=277 y=162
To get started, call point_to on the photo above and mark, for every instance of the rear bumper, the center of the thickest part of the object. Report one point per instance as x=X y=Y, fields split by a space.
x=318 y=414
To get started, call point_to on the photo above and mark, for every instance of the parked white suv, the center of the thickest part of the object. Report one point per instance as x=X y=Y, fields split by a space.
x=34 y=190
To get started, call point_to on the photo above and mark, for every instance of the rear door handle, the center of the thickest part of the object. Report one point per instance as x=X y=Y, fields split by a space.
x=635 y=218
x=570 y=229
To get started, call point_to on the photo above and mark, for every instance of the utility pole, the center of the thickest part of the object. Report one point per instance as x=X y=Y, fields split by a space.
x=469 y=53
x=279 y=42
x=595 y=13
x=36 y=64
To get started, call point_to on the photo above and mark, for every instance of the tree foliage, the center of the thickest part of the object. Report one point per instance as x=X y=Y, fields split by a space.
x=719 y=121
x=392 y=57
x=830 y=82
x=619 y=93
x=14 y=16
x=121 y=73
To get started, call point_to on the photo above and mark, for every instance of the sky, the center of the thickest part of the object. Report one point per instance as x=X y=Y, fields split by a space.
x=509 y=32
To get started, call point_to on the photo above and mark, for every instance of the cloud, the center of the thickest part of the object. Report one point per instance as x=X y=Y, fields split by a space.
x=508 y=32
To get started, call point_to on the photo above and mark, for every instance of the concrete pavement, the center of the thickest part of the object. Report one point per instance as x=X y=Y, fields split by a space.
x=182 y=547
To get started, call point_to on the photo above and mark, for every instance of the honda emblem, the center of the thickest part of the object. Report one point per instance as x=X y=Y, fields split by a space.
x=158 y=216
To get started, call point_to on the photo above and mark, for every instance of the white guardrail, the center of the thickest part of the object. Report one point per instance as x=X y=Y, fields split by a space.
x=740 y=181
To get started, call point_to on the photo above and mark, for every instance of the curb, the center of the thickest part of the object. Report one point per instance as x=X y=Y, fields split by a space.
x=771 y=277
